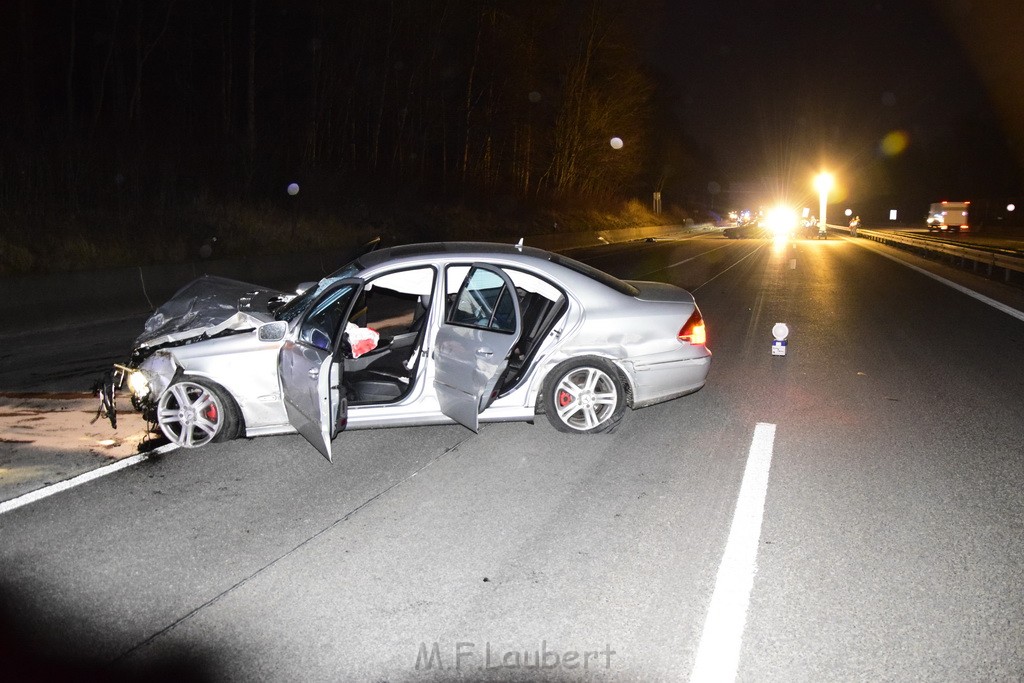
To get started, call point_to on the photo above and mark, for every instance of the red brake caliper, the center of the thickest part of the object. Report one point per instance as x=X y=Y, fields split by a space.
x=211 y=413
x=564 y=398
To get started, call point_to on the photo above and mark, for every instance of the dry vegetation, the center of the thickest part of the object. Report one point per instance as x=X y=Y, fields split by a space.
x=38 y=244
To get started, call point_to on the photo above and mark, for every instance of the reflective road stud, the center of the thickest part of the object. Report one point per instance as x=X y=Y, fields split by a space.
x=780 y=332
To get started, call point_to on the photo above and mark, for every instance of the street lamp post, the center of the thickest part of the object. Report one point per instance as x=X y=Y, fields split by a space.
x=823 y=182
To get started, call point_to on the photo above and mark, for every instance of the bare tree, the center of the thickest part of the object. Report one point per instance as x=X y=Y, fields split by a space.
x=115 y=13
x=227 y=76
x=142 y=54
x=69 y=82
x=250 y=147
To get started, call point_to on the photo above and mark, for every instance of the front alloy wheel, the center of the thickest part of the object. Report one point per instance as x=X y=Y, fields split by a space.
x=585 y=396
x=191 y=414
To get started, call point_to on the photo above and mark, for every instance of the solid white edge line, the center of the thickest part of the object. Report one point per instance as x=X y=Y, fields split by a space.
x=998 y=305
x=718 y=654
x=47 y=491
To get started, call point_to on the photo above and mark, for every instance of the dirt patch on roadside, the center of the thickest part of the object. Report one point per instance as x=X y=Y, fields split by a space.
x=69 y=422
x=46 y=438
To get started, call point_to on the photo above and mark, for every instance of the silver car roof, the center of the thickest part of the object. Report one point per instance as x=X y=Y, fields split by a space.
x=484 y=250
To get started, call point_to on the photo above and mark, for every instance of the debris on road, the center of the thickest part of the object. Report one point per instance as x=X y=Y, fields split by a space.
x=49 y=437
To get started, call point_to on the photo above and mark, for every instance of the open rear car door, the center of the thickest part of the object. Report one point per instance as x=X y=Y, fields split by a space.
x=311 y=366
x=474 y=343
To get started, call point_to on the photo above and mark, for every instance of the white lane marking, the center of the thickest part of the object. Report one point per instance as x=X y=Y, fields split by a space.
x=679 y=263
x=47 y=491
x=998 y=305
x=744 y=258
x=719 y=651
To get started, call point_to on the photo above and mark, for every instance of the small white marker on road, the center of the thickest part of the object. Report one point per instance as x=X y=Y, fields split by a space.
x=719 y=652
x=780 y=332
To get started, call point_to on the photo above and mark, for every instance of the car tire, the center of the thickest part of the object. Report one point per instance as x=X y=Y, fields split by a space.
x=193 y=413
x=585 y=396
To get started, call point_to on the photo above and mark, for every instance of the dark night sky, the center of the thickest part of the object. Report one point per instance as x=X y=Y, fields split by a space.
x=777 y=88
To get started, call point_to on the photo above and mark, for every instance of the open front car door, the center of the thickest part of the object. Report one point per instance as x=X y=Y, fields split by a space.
x=311 y=367
x=473 y=344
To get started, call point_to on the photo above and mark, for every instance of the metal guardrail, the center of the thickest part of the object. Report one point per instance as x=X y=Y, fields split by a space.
x=989 y=258
x=959 y=243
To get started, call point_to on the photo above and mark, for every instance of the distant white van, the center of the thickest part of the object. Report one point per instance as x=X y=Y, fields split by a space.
x=948 y=217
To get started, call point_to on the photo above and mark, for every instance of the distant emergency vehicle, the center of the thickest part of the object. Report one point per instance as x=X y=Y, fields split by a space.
x=948 y=217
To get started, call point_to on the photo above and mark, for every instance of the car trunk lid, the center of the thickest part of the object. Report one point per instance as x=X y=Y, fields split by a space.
x=660 y=291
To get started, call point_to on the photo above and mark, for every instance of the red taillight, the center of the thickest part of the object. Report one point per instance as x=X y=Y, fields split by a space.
x=693 y=331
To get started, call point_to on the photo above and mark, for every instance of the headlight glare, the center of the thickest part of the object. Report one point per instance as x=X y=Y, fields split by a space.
x=138 y=383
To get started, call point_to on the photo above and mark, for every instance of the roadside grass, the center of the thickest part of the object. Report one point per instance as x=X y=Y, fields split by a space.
x=40 y=242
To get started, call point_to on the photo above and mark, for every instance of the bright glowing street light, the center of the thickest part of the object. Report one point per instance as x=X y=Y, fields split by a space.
x=823 y=182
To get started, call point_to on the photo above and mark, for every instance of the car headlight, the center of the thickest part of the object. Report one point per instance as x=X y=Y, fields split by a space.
x=781 y=221
x=138 y=384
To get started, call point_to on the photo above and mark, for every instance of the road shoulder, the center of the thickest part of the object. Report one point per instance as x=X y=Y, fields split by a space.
x=49 y=438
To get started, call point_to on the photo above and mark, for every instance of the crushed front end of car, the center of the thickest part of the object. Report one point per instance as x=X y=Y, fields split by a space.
x=206 y=308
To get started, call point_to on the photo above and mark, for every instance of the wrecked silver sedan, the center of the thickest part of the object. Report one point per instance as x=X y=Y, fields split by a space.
x=415 y=335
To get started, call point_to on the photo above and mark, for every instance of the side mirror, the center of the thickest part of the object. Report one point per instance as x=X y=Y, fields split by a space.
x=272 y=332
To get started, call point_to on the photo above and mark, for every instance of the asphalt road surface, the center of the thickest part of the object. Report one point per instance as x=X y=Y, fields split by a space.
x=852 y=510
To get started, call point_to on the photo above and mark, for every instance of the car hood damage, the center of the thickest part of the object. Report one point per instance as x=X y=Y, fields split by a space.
x=208 y=306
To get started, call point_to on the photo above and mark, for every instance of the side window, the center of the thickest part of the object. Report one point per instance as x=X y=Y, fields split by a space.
x=322 y=325
x=397 y=302
x=484 y=302
x=454 y=275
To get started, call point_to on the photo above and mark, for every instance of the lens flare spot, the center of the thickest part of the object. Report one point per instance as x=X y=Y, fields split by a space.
x=895 y=143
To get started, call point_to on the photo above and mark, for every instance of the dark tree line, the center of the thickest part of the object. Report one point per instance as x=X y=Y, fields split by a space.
x=119 y=100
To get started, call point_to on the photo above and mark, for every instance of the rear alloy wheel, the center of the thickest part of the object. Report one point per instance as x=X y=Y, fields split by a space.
x=192 y=414
x=584 y=396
